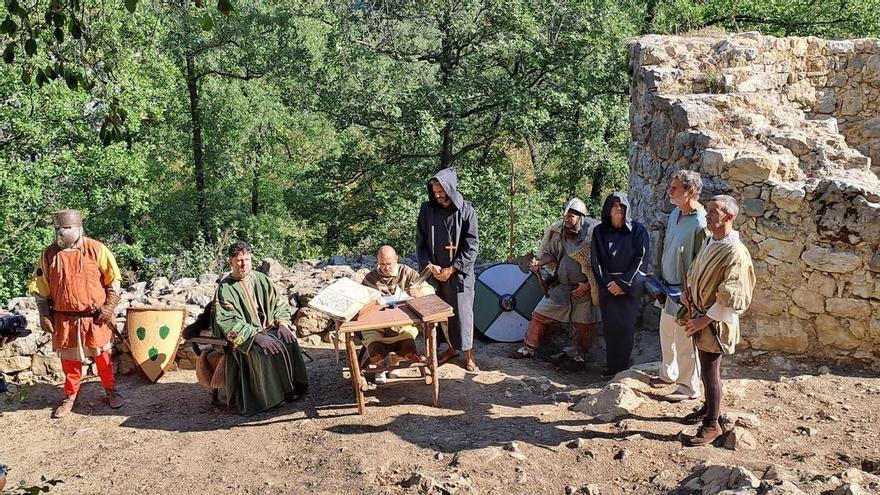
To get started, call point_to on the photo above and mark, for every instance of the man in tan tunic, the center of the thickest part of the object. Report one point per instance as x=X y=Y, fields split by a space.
x=77 y=284
x=720 y=283
x=392 y=279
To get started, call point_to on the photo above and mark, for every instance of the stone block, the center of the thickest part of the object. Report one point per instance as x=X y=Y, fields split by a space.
x=852 y=104
x=751 y=169
x=848 y=307
x=776 y=228
x=808 y=299
x=840 y=47
x=774 y=334
x=661 y=134
x=714 y=161
x=46 y=365
x=14 y=364
x=690 y=115
x=768 y=302
x=833 y=332
x=832 y=261
x=753 y=207
x=22 y=304
x=788 y=251
x=309 y=322
x=614 y=400
x=789 y=197
x=740 y=439
x=874 y=264
x=826 y=101
x=822 y=284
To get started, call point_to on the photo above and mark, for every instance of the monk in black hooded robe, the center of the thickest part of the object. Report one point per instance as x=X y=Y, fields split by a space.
x=620 y=246
x=447 y=236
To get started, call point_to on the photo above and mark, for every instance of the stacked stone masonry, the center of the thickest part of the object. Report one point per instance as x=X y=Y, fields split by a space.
x=790 y=127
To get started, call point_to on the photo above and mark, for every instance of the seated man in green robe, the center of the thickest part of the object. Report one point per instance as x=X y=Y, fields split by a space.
x=264 y=364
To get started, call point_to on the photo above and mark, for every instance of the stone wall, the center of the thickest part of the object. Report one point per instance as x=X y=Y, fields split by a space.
x=788 y=126
x=32 y=359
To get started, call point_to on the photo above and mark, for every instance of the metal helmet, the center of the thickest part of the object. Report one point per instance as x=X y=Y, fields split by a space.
x=576 y=205
x=67 y=218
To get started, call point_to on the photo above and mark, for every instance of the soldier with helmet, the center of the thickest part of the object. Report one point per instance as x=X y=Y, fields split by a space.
x=569 y=297
x=77 y=286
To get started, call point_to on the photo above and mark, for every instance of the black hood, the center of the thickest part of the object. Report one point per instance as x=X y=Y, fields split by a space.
x=606 y=209
x=449 y=181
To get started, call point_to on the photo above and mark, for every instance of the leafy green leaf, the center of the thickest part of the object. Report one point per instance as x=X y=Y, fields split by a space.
x=59 y=35
x=58 y=19
x=131 y=5
x=70 y=79
x=164 y=332
x=41 y=78
x=74 y=29
x=25 y=77
x=9 y=53
x=30 y=47
x=207 y=22
x=8 y=26
x=224 y=6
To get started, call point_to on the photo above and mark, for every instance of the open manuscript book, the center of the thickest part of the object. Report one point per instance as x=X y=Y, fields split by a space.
x=344 y=299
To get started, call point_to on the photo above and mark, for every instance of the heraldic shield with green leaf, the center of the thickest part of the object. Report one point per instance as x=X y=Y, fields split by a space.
x=153 y=335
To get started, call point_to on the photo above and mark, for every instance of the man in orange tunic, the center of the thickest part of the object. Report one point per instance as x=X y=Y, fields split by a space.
x=77 y=284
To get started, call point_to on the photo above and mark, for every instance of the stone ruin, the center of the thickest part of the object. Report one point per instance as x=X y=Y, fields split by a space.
x=32 y=358
x=791 y=128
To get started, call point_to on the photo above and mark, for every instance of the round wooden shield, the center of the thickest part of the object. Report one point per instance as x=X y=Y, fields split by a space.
x=503 y=302
x=153 y=335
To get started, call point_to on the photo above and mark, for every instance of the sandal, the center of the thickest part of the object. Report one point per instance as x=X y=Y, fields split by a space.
x=471 y=367
x=446 y=357
x=523 y=352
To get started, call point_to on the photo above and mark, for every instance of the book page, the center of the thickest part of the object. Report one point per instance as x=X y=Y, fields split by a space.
x=343 y=299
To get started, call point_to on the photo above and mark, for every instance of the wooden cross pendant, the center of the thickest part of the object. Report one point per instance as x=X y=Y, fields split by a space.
x=451 y=248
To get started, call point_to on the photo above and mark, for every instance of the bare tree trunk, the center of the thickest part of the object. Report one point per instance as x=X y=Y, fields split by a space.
x=198 y=155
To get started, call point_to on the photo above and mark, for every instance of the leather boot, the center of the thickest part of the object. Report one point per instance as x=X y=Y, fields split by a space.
x=65 y=407
x=696 y=417
x=705 y=435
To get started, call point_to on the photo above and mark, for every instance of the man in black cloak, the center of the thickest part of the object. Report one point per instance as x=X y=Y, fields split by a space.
x=619 y=248
x=447 y=237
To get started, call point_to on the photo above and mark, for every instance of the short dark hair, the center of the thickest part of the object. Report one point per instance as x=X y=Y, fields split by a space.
x=239 y=247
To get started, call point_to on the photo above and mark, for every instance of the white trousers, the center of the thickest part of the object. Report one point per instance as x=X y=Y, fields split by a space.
x=679 y=357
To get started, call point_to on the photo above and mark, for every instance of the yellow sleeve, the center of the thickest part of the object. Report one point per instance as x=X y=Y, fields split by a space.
x=108 y=267
x=39 y=283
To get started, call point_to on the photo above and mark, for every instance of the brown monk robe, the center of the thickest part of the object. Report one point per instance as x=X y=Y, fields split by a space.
x=77 y=284
x=391 y=278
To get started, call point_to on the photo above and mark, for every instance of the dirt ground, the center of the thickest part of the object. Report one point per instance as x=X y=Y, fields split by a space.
x=505 y=430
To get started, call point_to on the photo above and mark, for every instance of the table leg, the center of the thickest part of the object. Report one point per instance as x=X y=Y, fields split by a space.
x=432 y=333
x=355 y=370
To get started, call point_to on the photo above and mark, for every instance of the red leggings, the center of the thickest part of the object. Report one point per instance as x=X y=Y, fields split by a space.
x=73 y=372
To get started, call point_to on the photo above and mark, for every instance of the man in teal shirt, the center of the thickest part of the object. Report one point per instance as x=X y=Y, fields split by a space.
x=685 y=232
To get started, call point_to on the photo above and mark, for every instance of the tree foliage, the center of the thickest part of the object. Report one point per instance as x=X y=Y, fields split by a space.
x=310 y=127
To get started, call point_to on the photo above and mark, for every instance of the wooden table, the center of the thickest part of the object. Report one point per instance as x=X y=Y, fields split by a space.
x=392 y=317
